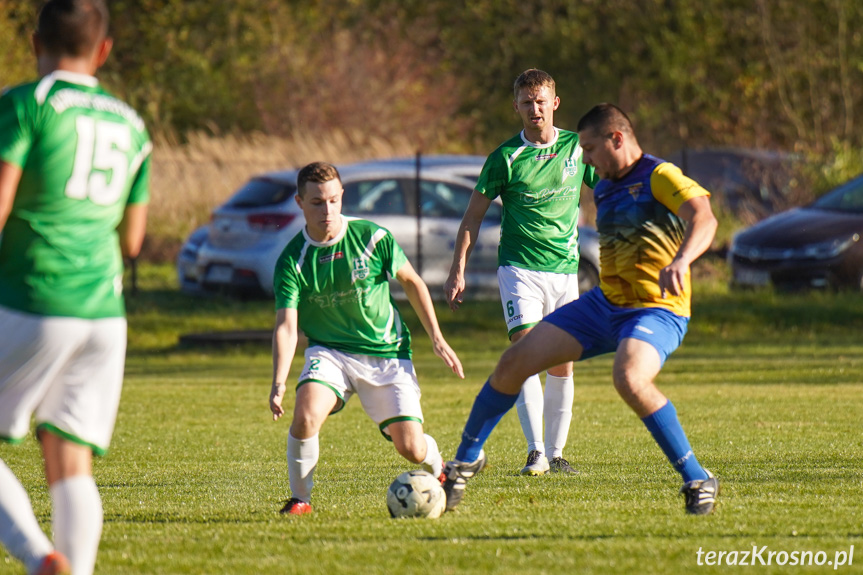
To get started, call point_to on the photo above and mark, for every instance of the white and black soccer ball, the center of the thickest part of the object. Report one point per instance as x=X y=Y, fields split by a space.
x=416 y=494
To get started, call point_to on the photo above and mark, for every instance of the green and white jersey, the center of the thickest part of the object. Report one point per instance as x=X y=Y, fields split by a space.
x=540 y=187
x=341 y=292
x=84 y=157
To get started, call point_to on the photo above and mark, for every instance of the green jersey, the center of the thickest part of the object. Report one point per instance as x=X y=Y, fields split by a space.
x=540 y=187
x=84 y=157
x=341 y=292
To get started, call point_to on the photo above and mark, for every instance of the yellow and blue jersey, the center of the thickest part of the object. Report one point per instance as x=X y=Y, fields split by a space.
x=640 y=233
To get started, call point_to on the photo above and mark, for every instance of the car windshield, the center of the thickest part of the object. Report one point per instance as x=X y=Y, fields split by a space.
x=846 y=198
x=446 y=200
x=261 y=192
x=374 y=196
x=472 y=177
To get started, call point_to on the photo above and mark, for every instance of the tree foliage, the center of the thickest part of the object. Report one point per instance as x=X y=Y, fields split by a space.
x=764 y=73
x=16 y=25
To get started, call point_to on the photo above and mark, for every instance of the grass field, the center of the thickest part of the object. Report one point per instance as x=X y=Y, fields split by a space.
x=769 y=388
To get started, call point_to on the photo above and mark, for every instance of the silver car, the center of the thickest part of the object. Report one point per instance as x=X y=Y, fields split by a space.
x=238 y=250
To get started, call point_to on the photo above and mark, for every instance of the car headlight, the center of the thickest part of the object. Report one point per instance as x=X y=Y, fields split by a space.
x=817 y=251
x=825 y=250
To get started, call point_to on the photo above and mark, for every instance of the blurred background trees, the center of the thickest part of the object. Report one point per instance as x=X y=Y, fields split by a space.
x=775 y=74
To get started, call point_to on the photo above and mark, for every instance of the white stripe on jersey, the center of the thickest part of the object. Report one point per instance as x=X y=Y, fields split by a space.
x=573 y=240
x=529 y=144
x=394 y=320
x=376 y=237
x=43 y=88
x=72 y=77
x=140 y=157
x=514 y=155
x=389 y=327
x=301 y=260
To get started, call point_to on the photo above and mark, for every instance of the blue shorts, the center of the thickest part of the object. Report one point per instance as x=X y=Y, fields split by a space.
x=599 y=326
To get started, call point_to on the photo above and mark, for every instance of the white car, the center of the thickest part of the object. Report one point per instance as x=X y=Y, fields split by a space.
x=238 y=250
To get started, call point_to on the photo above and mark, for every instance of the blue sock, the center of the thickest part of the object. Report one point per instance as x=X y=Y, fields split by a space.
x=666 y=430
x=488 y=408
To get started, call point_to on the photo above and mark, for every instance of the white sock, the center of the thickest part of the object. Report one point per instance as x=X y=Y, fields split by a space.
x=302 y=459
x=19 y=529
x=77 y=521
x=433 y=462
x=529 y=407
x=559 y=393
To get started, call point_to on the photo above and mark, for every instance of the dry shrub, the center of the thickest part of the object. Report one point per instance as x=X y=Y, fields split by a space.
x=321 y=91
x=380 y=85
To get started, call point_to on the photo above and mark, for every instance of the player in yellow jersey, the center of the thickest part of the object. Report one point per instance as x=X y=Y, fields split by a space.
x=653 y=223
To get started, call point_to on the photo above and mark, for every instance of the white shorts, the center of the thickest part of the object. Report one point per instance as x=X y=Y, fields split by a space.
x=67 y=371
x=387 y=387
x=528 y=296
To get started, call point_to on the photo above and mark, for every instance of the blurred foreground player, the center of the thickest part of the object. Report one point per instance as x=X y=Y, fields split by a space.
x=74 y=171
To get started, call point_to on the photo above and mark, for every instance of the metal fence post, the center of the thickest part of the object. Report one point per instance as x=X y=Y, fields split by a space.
x=419 y=192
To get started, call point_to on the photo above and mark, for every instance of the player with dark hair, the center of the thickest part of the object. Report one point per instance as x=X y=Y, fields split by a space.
x=331 y=281
x=538 y=175
x=74 y=178
x=653 y=223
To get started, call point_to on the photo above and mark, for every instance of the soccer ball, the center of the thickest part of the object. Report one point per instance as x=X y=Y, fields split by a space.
x=416 y=494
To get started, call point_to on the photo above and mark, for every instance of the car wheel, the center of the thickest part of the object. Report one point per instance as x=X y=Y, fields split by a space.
x=588 y=277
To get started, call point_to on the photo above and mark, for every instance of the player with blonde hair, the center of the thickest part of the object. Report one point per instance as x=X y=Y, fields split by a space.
x=538 y=175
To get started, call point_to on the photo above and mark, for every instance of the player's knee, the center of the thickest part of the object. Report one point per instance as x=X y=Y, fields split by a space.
x=305 y=424
x=413 y=453
x=631 y=384
x=411 y=449
x=509 y=374
x=625 y=381
x=508 y=359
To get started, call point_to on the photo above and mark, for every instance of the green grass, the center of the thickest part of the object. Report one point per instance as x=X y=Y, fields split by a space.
x=769 y=388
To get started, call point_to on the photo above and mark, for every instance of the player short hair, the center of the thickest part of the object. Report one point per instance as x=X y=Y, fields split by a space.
x=317 y=172
x=606 y=118
x=72 y=27
x=533 y=79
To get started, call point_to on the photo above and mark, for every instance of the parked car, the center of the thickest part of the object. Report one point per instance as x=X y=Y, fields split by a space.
x=237 y=251
x=466 y=166
x=817 y=245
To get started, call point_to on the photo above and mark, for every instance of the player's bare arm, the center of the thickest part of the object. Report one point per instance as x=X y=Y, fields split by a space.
x=420 y=300
x=132 y=229
x=284 y=347
x=468 y=232
x=700 y=229
x=10 y=175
